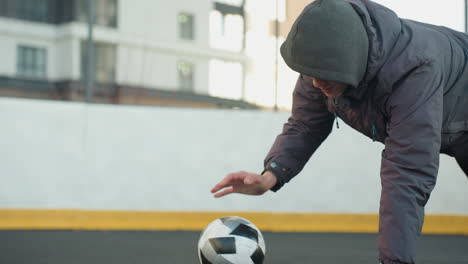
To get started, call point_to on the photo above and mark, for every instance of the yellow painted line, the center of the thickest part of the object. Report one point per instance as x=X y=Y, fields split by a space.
x=33 y=219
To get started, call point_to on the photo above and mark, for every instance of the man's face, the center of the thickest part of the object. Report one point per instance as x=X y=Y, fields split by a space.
x=331 y=89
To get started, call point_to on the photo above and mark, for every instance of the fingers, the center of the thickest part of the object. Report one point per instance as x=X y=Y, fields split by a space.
x=240 y=182
x=224 y=192
x=222 y=184
x=229 y=180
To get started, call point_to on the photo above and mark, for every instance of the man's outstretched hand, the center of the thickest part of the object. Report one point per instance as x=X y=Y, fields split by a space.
x=245 y=183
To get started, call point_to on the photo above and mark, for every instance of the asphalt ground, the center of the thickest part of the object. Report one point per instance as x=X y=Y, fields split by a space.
x=166 y=247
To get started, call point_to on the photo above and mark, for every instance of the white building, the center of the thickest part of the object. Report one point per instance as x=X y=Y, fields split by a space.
x=143 y=48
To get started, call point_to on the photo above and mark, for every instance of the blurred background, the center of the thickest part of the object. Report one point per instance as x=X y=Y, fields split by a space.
x=205 y=53
x=122 y=114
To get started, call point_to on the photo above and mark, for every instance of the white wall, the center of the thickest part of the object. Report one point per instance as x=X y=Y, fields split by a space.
x=77 y=156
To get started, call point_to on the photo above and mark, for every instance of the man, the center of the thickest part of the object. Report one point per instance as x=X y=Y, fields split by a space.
x=397 y=81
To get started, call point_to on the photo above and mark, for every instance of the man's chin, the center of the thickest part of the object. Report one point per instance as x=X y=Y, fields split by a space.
x=331 y=95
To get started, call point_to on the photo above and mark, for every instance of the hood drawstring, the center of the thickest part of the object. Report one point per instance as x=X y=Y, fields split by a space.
x=336 y=118
x=335 y=102
x=374 y=132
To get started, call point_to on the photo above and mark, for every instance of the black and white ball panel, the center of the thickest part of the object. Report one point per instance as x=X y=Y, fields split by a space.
x=246 y=231
x=231 y=240
x=223 y=245
x=258 y=256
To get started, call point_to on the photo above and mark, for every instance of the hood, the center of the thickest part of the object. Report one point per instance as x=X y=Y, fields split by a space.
x=342 y=40
x=328 y=41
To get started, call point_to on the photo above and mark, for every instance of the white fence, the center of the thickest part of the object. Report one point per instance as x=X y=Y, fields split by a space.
x=76 y=156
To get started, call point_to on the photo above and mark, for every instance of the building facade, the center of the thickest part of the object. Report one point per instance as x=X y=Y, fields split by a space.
x=145 y=52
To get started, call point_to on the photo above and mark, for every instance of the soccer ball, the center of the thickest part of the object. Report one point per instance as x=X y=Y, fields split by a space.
x=231 y=240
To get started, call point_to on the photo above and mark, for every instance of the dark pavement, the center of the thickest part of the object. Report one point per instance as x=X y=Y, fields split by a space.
x=142 y=247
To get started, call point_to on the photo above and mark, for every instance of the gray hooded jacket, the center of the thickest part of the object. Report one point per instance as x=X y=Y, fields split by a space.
x=413 y=98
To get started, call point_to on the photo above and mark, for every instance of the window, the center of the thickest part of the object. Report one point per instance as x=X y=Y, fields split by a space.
x=33 y=10
x=104 y=62
x=106 y=12
x=31 y=62
x=185 y=71
x=186 y=26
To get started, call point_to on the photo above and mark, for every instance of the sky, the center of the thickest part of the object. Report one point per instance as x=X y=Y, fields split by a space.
x=448 y=13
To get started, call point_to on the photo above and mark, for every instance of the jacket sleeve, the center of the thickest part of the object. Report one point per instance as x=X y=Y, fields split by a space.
x=308 y=126
x=410 y=161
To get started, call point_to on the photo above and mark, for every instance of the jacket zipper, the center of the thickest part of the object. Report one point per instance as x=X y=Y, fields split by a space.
x=374 y=132
x=336 y=113
x=336 y=119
